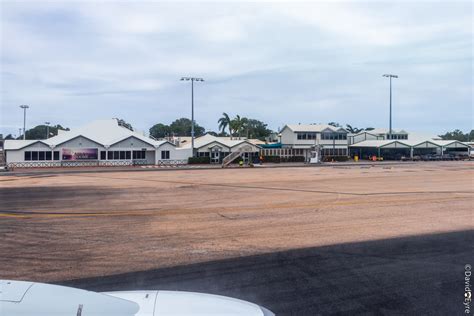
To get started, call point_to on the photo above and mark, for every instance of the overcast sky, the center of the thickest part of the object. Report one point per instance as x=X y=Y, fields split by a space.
x=74 y=62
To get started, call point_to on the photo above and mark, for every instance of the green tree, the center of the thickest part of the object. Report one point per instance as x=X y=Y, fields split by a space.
x=239 y=126
x=335 y=124
x=179 y=127
x=160 y=130
x=458 y=135
x=40 y=131
x=256 y=129
x=182 y=127
x=225 y=122
x=9 y=136
x=122 y=122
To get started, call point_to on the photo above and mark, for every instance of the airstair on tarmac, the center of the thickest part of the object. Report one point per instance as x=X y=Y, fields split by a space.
x=236 y=154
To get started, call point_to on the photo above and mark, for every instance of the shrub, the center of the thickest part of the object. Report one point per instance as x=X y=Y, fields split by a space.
x=278 y=159
x=335 y=158
x=275 y=159
x=294 y=159
x=199 y=160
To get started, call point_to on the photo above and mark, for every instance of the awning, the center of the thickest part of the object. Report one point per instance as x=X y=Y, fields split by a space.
x=274 y=145
x=302 y=146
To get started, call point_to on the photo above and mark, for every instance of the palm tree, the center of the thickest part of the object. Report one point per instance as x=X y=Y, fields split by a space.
x=246 y=125
x=238 y=124
x=353 y=130
x=225 y=122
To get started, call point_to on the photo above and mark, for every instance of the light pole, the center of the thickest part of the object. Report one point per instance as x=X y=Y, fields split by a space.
x=390 y=119
x=24 y=107
x=192 y=79
x=47 y=129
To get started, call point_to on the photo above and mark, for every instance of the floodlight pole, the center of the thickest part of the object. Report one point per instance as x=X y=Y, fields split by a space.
x=192 y=79
x=47 y=129
x=192 y=116
x=390 y=76
x=24 y=107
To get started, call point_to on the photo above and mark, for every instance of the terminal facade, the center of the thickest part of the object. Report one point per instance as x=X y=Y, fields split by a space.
x=101 y=143
x=108 y=143
x=333 y=142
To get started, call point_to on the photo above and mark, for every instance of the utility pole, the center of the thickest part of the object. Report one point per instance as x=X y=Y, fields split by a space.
x=24 y=107
x=192 y=79
x=390 y=76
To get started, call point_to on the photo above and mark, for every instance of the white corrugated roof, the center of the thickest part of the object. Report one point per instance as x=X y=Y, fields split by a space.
x=376 y=143
x=208 y=139
x=379 y=131
x=312 y=127
x=381 y=143
x=17 y=143
x=104 y=132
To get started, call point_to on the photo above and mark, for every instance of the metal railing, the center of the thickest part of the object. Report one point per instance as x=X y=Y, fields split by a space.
x=95 y=163
x=34 y=164
x=172 y=162
x=231 y=157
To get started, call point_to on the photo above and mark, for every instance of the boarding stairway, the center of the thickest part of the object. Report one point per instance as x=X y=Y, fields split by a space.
x=234 y=155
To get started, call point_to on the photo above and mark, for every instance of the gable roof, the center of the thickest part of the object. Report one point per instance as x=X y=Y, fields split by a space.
x=224 y=141
x=74 y=137
x=206 y=140
x=313 y=128
x=379 y=131
x=102 y=132
x=132 y=136
x=15 y=144
x=373 y=143
x=410 y=143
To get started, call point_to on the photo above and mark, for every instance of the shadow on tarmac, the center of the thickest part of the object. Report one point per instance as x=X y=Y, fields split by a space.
x=418 y=275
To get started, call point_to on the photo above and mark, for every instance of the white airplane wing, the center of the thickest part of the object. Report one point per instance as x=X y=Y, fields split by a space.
x=176 y=303
x=19 y=298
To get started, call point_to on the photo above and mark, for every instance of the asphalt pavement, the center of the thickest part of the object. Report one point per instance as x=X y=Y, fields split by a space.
x=419 y=275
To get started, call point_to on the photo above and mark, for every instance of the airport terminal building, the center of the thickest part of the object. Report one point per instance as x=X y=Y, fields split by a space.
x=107 y=143
x=332 y=142
x=218 y=148
x=100 y=143
x=403 y=145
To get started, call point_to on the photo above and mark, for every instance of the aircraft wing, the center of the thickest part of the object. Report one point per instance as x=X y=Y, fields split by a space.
x=177 y=303
x=19 y=298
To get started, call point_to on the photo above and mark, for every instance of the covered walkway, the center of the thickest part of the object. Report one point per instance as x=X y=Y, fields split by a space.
x=401 y=149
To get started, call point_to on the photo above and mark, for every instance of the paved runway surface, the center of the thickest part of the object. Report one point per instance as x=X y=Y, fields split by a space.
x=421 y=275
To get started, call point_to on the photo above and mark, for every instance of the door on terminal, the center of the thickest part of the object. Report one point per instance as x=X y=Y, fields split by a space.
x=215 y=155
x=245 y=158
